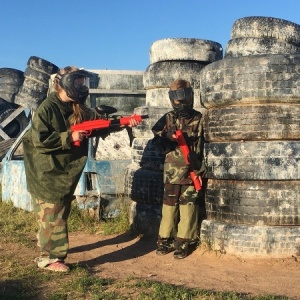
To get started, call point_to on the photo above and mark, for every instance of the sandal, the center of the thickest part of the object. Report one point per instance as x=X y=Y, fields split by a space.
x=57 y=267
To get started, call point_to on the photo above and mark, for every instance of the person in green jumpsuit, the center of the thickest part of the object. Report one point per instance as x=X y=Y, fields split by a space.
x=53 y=164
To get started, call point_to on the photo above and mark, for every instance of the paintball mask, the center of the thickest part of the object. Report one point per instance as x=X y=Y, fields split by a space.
x=186 y=101
x=76 y=85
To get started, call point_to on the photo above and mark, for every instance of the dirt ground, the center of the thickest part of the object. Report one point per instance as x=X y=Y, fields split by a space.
x=122 y=256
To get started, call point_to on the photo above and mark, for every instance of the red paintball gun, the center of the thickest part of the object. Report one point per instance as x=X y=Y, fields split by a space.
x=89 y=126
x=185 y=151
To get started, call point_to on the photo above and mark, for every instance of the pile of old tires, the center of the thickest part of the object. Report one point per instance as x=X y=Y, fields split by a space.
x=10 y=82
x=36 y=82
x=170 y=59
x=252 y=130
x=144 y=176
x=20 y=90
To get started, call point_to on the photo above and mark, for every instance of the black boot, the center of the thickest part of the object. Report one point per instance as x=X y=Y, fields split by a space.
x=165 y=246
x=181 y=249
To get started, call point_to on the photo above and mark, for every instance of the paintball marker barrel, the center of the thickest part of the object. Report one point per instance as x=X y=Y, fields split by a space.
x=185 y=152
x=89 y=126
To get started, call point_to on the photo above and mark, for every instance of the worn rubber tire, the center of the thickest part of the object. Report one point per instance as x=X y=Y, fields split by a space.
x=9 y=72
x=267 y=27
x=251 y=80
x=16 y=126
x=8 y=91
x=4 y=105
x=258 y=46
x=252 y=122
x=162 y=74
x=30 y=99
x=144 y=218
x=147 y=155
x=32 y=93
x=252 y=160
x=8 y=97
x=251 y=241
x=42 y=65
x=270 y=203
x=18 y=81
x=9 y=88
x=185 y=49
x=143 y=185
x=119 y=80
x=37 y=75
x=144 y=130
x=10 y=82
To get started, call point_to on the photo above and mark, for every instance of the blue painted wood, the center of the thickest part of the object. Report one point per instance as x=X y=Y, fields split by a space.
x=98 y=178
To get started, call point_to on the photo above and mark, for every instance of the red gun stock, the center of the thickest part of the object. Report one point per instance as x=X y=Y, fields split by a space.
x=185 y=151
x=89 y=126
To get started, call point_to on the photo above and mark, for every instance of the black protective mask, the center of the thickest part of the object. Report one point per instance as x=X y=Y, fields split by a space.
x=76 y=85
x=185 y=96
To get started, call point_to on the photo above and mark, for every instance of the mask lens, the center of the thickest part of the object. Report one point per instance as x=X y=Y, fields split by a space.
x=180 y=94
x=80 y=82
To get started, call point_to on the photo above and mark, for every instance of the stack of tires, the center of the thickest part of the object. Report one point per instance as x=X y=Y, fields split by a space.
x=144 y=176
x=10 y=82
x=36 y=82
x=170 y=59
x=20 y=90
x=252 y=131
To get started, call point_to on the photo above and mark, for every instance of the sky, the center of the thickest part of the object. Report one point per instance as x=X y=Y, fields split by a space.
x=118 y=34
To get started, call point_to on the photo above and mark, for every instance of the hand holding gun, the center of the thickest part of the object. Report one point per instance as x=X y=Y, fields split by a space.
x=186 y=151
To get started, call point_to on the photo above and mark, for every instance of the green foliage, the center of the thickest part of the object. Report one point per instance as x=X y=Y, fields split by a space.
x=85 y=220
x=14 y=219
x=120 y=224
x=84 y=285
x=17 y=223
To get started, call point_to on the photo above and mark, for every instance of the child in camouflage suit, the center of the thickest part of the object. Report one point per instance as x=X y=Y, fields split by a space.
x=179 y=223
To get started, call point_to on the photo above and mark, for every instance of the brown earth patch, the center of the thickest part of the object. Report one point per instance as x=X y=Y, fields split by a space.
x=122 y=256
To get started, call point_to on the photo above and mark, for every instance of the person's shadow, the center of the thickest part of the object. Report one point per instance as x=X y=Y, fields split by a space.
x=143 y=246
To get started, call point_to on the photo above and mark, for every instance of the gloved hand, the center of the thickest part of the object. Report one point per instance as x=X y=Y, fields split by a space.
x=163 y=144
x=170 y=134
x=195 y=163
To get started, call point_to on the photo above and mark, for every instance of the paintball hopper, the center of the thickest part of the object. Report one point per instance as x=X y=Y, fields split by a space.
x=105 y=110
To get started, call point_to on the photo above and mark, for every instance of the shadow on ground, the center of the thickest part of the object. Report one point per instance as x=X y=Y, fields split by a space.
x=141 y=247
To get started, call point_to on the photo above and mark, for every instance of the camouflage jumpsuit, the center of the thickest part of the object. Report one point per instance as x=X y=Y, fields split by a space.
x=180 y=201
x=53 y=166
x=52 y=235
